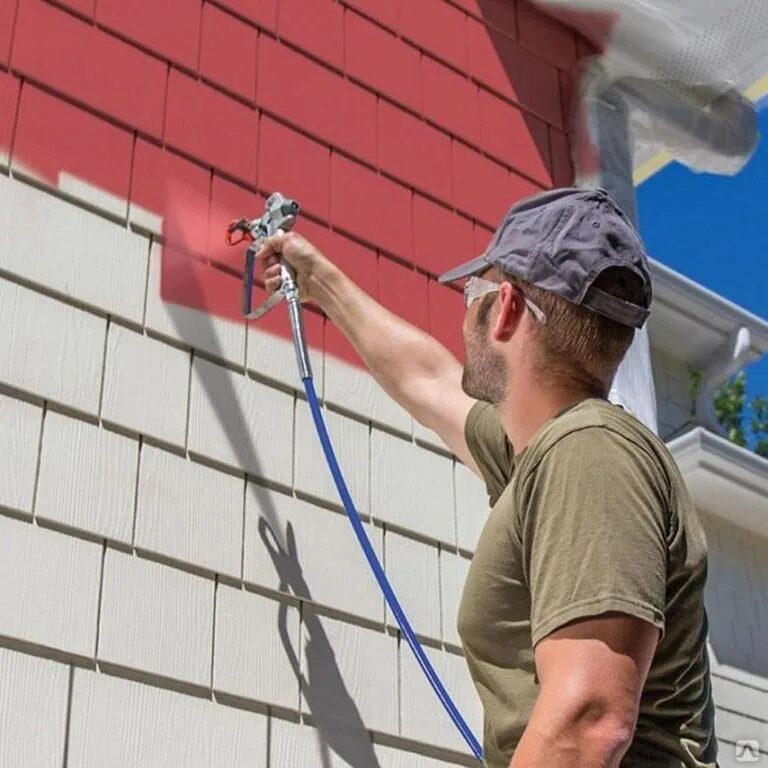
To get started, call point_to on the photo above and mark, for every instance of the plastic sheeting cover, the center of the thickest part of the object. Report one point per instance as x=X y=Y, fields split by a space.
x=633 y=387
x=678 y=63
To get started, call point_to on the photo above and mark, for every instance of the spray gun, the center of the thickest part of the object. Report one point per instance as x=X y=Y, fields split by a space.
x=279 y=216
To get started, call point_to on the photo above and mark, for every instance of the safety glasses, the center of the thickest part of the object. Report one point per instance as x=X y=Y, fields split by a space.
x=477 y=287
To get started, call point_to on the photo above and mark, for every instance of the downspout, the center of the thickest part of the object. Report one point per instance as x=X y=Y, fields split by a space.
x=607 y=123
x=735 y=355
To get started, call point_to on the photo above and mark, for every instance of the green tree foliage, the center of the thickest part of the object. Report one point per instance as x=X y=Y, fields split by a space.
x=730 y=400
x=759 y=424
x=732 y=407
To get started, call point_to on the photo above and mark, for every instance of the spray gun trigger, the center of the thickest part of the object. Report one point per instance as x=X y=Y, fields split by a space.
x=249 y=279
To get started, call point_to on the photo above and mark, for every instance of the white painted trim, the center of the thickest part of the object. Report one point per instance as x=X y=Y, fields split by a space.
x=679 y=301
x=739 y=476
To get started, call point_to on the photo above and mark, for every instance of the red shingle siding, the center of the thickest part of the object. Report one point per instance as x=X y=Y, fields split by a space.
x=370 y=206
x=296 y=165
x=54 y=138
x=516 y=74
x=7 y=14
x=385 y=13
x=9 y=99
x=379 y=59
x=459 y=113
x=317 y=100
x=405 y=129
x=484 y=188
x=437 y=27
x=316 y=27
x=228 y=52
x=414 y=151
x=355 y=259
x=446 y=313
x=80 y=7
x=261 y=12
x=442 y=238
x=518 y=139
x=163 y=180
x=403 y=291
x=170 y=28
x=546 y=37
x=562 y=165
x=212 y=128
x=89 y=65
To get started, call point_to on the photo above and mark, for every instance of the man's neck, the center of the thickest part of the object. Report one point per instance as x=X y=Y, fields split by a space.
x=525 y=411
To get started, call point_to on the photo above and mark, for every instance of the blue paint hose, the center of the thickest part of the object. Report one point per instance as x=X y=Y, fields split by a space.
x=378 y=571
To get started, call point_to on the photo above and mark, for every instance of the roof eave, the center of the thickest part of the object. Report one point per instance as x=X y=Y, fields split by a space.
x=724 y=480
x=694 y=324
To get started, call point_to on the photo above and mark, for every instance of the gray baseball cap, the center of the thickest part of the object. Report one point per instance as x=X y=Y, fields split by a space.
x=561 y=241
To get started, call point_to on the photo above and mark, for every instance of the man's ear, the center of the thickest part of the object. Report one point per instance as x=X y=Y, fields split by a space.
x=509 y=315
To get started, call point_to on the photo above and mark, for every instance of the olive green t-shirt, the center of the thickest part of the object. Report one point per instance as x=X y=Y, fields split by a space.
x=593 y=516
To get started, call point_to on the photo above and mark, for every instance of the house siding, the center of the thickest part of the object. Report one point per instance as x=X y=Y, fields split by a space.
x=176 y=561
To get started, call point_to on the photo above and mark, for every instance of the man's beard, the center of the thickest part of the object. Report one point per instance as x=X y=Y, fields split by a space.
x=485 y=371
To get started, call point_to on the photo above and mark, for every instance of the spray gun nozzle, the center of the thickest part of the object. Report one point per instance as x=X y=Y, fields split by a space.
x=237 y=231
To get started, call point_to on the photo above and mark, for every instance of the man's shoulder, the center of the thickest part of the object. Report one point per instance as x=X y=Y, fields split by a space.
x=600 y=428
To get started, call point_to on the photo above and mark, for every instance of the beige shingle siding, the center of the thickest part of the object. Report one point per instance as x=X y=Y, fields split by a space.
x=125 y=444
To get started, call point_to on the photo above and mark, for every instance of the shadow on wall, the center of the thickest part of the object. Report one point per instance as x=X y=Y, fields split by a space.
x=737 y=584
x=335 y=714
x=334 y=711
x=562 y=36
x=524 y=87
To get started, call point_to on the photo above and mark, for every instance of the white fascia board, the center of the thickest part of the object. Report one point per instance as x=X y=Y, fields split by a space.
x=724 y=480
x=694 y=324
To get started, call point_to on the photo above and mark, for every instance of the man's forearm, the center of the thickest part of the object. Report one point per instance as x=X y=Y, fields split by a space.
x=398 y=354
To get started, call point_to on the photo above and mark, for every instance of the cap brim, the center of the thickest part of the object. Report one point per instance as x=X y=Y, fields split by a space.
x=480 y=264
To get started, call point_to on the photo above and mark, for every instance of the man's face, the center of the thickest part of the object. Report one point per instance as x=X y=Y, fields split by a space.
x=485 y=370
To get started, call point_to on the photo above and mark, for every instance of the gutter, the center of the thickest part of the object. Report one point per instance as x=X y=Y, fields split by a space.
x=675 y=294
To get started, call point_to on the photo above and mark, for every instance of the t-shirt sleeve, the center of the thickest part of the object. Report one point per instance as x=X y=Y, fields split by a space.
x=490 y=447
x=593 y=522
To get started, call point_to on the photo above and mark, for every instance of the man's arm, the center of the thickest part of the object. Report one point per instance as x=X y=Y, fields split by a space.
x=412 y=367
x=592 y=673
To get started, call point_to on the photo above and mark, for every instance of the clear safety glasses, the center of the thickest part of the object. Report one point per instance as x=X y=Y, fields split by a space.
x=477 y=287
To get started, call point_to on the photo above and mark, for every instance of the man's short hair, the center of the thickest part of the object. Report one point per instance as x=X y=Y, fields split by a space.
x=577 y=346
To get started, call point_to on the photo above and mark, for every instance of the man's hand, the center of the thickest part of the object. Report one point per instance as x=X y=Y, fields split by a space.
x=592 y=673
x=310 y=265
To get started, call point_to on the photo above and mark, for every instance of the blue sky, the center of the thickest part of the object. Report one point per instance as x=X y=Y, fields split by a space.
x=713 y=230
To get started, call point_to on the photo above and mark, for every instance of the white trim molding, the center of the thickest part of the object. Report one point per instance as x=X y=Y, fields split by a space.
x=724 y=480
x=696 y=325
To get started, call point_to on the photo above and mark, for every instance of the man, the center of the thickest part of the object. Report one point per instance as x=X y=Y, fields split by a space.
x=582 y=618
